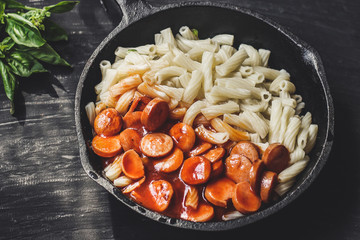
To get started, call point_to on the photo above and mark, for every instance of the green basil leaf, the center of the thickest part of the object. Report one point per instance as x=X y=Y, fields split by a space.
x=46 y=54
x=54 y=32
x=6 y=44
x=2 y=12
x=61 y=7
x=9 y=82
x=23 y=64
x=195 y=32
x=22 y=31
x=14 y=4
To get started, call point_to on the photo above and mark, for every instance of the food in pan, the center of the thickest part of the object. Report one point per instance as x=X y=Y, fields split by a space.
x=197 y=129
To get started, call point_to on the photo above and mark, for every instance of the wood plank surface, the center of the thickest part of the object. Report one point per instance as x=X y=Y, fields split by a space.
x=45 y=194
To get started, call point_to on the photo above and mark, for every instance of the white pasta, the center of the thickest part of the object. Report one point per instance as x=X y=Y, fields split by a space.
x=168 y=72
x=207 y=69
x=304 y=130
x=287 y=113
x=254 y=57
x=193 y=111
x=291 y=133
x=114 y=170
x=264 y=55
x=122 y=181
x=313 y=130
x=109 y=80
x=246 y=71
x=104 y=65
x=90 y=112
x=224 y=39
x=232 y=215
x=193 y=86
x=125 y=85
x=175 y=93
x=148 y=90
x=187 y=33
x=183 y=61
x=217 y=110
x=282 y=188
x=292 y=171
x=124 y=101
x=296 y=155
x=168 y=36
x=210 y=136
x=232 y=63
x=275 y=121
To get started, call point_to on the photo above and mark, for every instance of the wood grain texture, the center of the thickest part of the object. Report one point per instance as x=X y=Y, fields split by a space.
x=45 y=194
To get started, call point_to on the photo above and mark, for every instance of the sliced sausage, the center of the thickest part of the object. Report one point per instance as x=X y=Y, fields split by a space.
x=255 y=175
x=171 y=162
x=130 y=139
x=247 y=149
x=106 y=146
x=276 y=157
x=156 y=144
x=131 y=165
x=139 y=103
x=161 y=192
x=217 y=169
x=132 y=119
x=195 y=170
x=268 y=183
x=215 y=154
x=155 y=114
x=108 y=122
x=244 y=199
x=218 y=192
x=237 y=168
x=200 y=149
x=183 y=136
x=203 y=213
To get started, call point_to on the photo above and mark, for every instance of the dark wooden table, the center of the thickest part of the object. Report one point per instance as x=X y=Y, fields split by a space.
x=45 y=194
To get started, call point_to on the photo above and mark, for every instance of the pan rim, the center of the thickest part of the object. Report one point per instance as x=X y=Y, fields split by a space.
x=221 y=225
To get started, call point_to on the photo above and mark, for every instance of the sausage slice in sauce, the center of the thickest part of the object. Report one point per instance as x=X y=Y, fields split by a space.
x=171 y=162
x=156 y=144
x=215 y=154
x=106 y=146
x=238 y=168
x=244 y=199
x=195 y=170
x=200 y=149
x=161 y=192
x=183 y=136
x=108 y=122
x=130 y=139
x=268 y=183
x=203 y=213
x=132 y=119
x=131 y=165
x=247 y=149
x=155 y=114
x=218 y=192
x=255 y=175
x=276 y=157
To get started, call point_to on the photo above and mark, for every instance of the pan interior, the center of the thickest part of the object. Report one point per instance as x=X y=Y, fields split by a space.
x=209 y=21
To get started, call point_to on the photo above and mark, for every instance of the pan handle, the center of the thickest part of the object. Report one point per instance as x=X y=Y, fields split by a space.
x=133 y=9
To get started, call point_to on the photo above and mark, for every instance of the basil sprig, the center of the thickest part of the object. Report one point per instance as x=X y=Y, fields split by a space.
x=24 y=32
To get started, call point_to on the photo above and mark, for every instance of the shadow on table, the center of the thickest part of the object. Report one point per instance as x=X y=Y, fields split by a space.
x=323 y=211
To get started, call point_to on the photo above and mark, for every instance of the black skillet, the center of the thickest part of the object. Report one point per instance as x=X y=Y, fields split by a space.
x=141 y=21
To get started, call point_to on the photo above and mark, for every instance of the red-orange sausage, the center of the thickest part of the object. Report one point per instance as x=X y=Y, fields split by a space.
x=268 y=183
x=255 y=175
x=162 y=192
x=200 y=149
x=217 y=169
x=237 y=168
x=276 y=157
x=195 y=170
x=155 y=114
x=156 y=144
x=171 y=162
x=139 y=103
x=247 y=149
x=203 y=213
x=215 y=154
x=183 y=136
x=108 y=122
x=218 y=192
x=131 y=165
x=106 y=146
x=130 y=139
x=244 y=198
x=132 y=119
